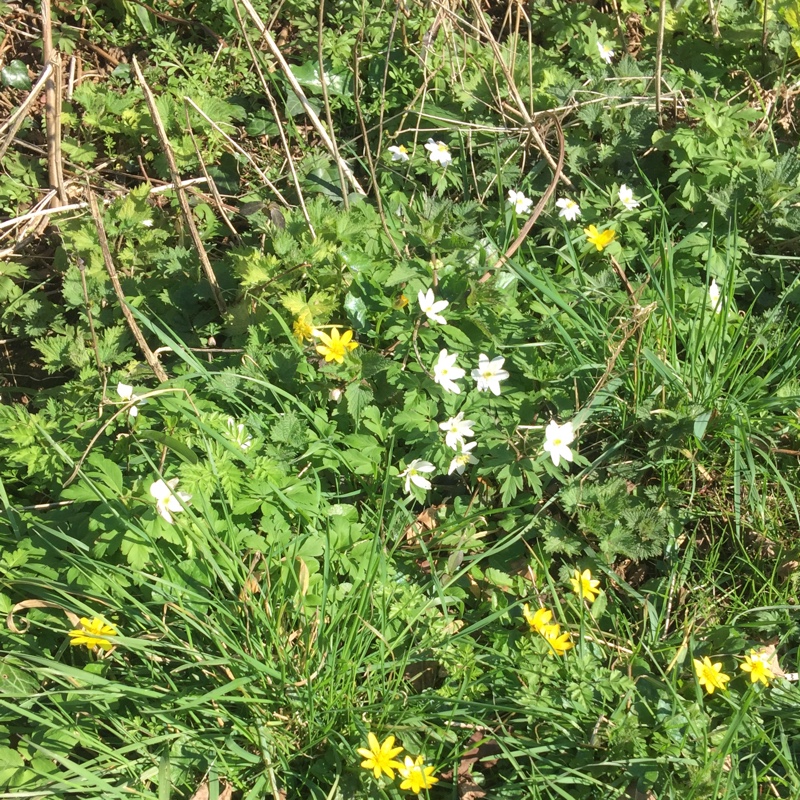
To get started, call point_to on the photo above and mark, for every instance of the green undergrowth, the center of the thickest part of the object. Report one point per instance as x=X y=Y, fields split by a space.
x=286 y=550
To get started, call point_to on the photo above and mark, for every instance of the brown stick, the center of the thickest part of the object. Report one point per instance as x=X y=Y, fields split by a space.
x=52 y=93
x=301 y=95
x=154 y=363
x=662 y=21
x=182 y=199
x=526 y=228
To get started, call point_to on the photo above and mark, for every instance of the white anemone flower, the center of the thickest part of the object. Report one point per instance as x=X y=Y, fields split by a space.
x=168 y=502
x=522 y=204
x=148 y=223
x=557 y=439
x=126 y=393
x=462 y=458
x=439 y=152
x=445 y=372
x=627 y=199
x=715 y=296
x=431 y=307
x=413 y=473
x=606 y=53
x=239 y=434
x=457 y=430
x=570 y=210
x=489 y=374
x=399 y=153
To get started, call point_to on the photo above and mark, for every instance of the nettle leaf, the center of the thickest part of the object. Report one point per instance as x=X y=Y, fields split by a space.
x=15 y=75
x=358 y=397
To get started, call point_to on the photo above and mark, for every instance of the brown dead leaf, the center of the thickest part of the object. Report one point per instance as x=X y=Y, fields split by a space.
x=202 y=793
x=633 y=793
x=478 y=757
x=788 y=568
x=426 y=521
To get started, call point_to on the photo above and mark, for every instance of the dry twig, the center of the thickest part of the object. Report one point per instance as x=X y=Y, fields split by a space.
x=182 y=199
x=301 y=95
x=52 y=89
x=154 y=363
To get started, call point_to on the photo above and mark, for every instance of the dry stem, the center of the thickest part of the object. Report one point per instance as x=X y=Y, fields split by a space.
x=154 y=363
x=182 y=199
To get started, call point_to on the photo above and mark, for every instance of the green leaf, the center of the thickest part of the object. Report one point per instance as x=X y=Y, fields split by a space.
x=261 y=123
x=294 y=108
x=15 y=682
x=185 y=452
x=701 y=423
x=15 y=75
x=357 y=398
x=356 y=309
x=137 y=553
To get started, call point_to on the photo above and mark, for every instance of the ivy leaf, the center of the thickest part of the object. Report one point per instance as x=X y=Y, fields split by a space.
x=15 y=75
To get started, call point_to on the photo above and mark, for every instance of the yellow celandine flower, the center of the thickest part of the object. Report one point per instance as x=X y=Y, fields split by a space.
x=93 y=633
x=416 y=776
x=538 y=619
x=599 y=239
x=757 y=664
x=380 y=757
x=584 y=586
x=559 y=642
x=401 y=301
x=303 y=328
x=335 y=347
x=710 y=676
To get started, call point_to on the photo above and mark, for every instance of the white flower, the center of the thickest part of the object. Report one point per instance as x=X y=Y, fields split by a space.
x=557 y=439
x=335 y=395
x=440 y=152
x=457 y=430
x=445 y=372
x=431 y=307
x=126 y=393
x=570 y=210
x=489 y=374
x=626 y=198
x=522 y=204
x=714 y=296
x=412 y=474
x=148 y=223
x=399 y=153
x=239 y=434
x=168 y=502
x=461 y=459
x=606 y=53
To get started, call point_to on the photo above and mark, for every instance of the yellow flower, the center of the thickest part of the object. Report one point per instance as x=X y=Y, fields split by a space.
x=93 y=634
x=598 y=239
x=757 y=664
x=710 y=675
x=537 y=620
x=416 y=777
x=401 y=301
x=584 y=586
x=335 y=347
x=380 y=757
x=303 y=328
x=559 y=642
